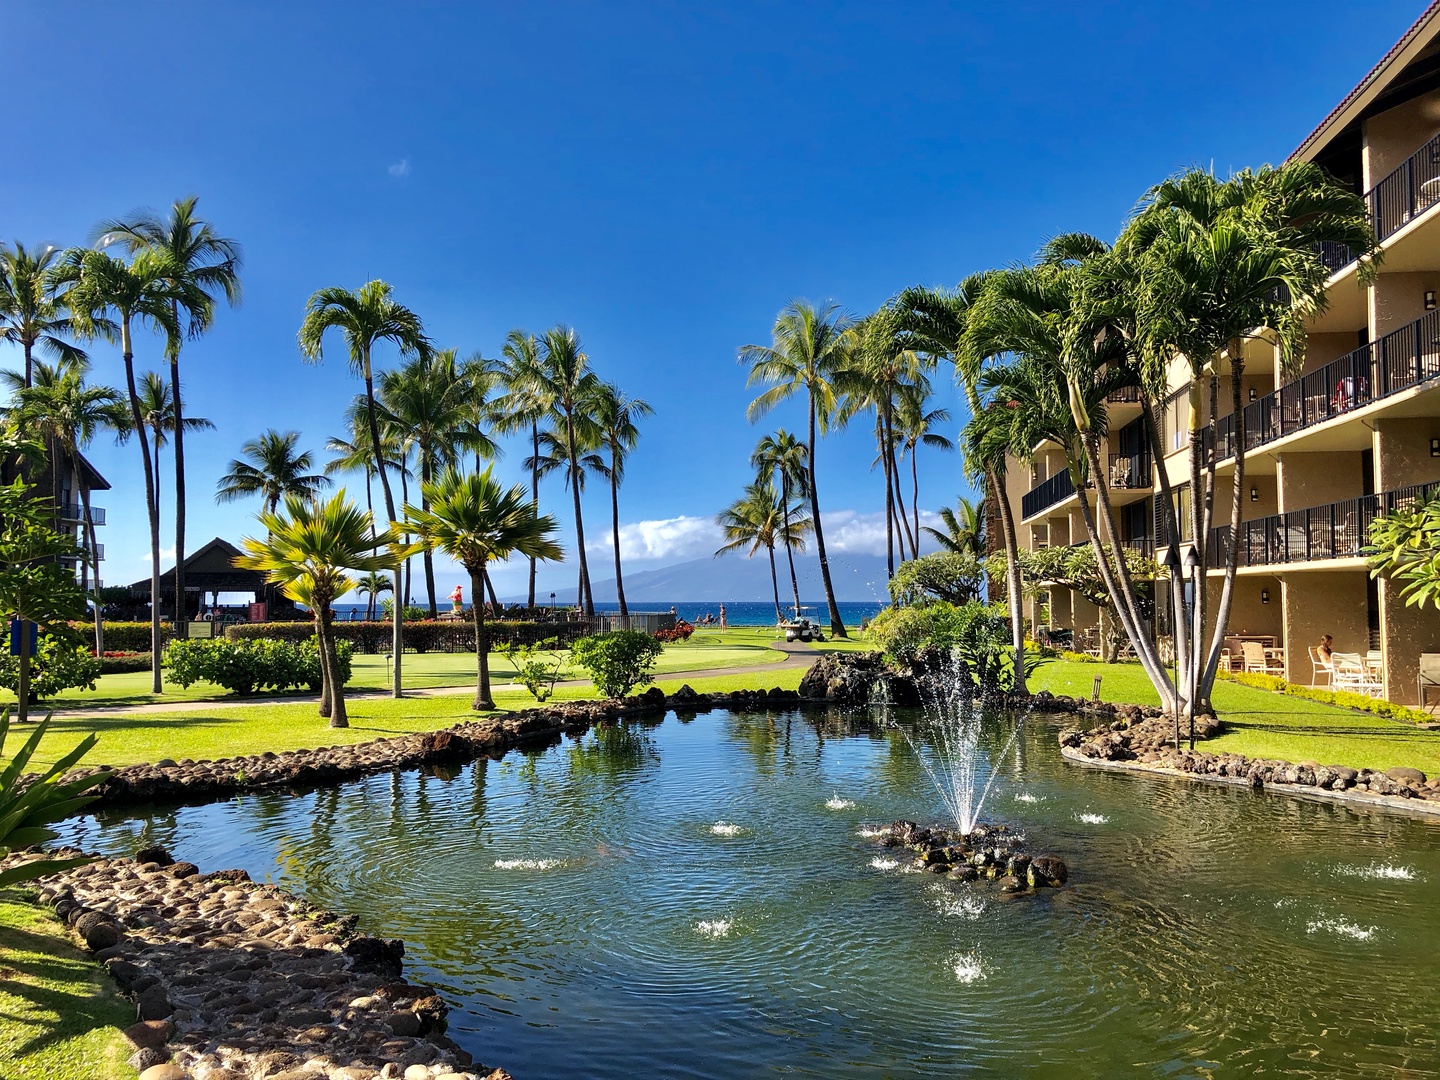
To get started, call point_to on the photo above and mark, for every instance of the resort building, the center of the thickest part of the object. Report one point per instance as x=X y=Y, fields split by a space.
x=1352 y=434
x=67 y=488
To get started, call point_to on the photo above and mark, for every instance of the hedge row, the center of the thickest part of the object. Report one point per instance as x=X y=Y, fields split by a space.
x=243 y=667
x=123 y=663
x=1344 y=698
x=429 y=635
x=126 y=636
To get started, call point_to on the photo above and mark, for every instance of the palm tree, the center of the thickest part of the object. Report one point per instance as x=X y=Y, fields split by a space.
x=307 y=550
x=964 y=528
x=32 y=307
x=755 y=521
x=371 y=585
x=270 y=467
x=561 y=378
x=428 y=403
x=365 y=318
x=143 y=290
x=157 y=409
x=68 y=413
x=523 y=404
x=782 y=457
x=204 y=265
x=807 y=350
x=915 y=425
x=615 y=416
x=475 y=521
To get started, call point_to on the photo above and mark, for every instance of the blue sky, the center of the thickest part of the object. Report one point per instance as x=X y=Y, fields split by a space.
x=662 y=177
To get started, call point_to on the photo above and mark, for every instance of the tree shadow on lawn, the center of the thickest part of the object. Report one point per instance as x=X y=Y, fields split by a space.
x=54 y=1014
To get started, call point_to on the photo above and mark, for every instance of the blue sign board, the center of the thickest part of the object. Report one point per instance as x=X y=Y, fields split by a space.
x=15 y=639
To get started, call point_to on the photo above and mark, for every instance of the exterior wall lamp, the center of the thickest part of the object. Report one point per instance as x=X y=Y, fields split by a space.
x=1429 y=299
x=1252 y=393
x=1435 y=447
x=1264 y=596
x=1254 y=494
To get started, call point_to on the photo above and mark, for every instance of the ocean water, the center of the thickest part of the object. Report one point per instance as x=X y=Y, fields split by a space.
x=740 y=613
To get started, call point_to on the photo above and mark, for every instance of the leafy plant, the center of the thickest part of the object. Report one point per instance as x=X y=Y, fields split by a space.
x=246 y=666
x=952 y=576
x=59 y=663
x=681 y=631
x=1405 y=544
x=617 y=661
x=29 y=804
x=536 y=667
x=978 y=633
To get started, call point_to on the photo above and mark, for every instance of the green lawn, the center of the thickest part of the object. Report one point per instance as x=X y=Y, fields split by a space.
x=59 y=1017
x=1261 y=723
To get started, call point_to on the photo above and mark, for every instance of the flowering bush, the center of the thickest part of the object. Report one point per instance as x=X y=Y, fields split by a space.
x=681 y=631
x=122 y=661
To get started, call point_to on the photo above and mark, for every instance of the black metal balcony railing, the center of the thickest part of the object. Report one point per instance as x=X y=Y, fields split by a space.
x=1396 y=200
x=1047 y=493
x=1338 y=530
x=1129 y=471
x=1126 y=395
x=73 y=512
x=1401 y=359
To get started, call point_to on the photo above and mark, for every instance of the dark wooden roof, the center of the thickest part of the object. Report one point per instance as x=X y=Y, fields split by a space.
x=211 y=569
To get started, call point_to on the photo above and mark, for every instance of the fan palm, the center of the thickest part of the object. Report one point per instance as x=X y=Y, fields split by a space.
x=307 y=551
x=68 y=413
x=782 y=457
x=755 y=521
x=365 y=318
x=476 y=521
x=32 y=307
x=141 y=291
x=371 y=585
x=523 y=405
x=204 y=265
x=808 y=348
x=964 y=528
x=271 y=468
x=615 y=416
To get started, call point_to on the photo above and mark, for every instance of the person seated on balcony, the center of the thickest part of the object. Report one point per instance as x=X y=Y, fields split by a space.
x=1326 y=647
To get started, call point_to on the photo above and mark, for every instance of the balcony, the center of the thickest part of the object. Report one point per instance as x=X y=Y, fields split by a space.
x=1126 y=472
x=1126 y=395
x=1395 y=201
x=1338 y=530
x=1046 y=494
x=73 y=513
x=1402 y=359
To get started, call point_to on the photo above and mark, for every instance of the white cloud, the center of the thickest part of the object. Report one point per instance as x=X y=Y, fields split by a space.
x=851 y=533
x=672 y=539
x=400 y=168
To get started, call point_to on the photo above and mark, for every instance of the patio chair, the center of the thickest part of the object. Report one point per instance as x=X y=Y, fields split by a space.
x=1352 y=674
x=1429 y=677
x=1235 y=652
x=1320 y=666
x=1257 y=660
x=1120 y=473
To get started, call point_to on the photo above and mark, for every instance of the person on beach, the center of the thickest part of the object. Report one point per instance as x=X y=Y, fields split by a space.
x=722 y=618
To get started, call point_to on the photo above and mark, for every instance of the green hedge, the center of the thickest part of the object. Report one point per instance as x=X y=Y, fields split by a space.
x=126 y=636
x=425 y=636
x=1344 y=698
x=243 y=667
x=124 y=663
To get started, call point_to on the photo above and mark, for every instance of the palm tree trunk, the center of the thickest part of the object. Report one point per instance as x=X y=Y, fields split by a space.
x=615 y=533
x=483 y=700
x=397 y=641
x=535 y=499
x=425 y=478
x=1012 y=581
x=837 y=627
x=586 y=598
x=182 y=622
x=29 y=364
x=915 y=496
x=339 y=716
x=129 y=359
x=94 y=552
x=789 y=550
x=326 y=681
x=774 y=582
x=908 y=538
x=490 y=589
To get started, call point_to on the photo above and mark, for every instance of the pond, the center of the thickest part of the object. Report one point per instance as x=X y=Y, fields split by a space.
x=697 y=899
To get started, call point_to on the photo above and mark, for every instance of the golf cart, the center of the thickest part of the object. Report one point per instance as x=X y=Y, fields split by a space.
x=801 y=627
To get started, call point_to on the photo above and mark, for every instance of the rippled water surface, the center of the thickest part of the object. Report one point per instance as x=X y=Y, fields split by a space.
x=700 y=899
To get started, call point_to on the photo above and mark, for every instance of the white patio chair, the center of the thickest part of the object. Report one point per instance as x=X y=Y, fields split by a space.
x=1429 y=676
x=1353 y=675
x=1320 y=666
x=1257 y=660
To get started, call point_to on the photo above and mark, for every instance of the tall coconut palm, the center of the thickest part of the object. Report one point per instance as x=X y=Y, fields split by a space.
x=615 y=416
x=563 y=381
x=68 y=414
x=33 y=314
x=915 y=425
x=307 y=551
x=365 y=318
x=143 y=291
x=476 y=522
x=523 y=405
x=270 y=467
x=755 y=521
x=428 y=403
x=964 y=528
x=808 y=348
x=205 y=266
x=157 y=409
x=782 y=458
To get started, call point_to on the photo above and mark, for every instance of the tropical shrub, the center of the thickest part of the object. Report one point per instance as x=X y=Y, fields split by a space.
x=536 y=667
x=120 y=662
x=246 y=666
x=132 y=636
x=977 y=634
x=58 y=664
x=681 y=631
x=28 y=805
x=952 y=576
x=617 y=661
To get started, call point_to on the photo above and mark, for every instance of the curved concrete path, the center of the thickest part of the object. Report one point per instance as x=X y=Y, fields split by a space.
x=796 y=654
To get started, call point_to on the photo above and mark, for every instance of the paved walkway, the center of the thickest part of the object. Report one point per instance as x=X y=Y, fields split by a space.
x=797 y=654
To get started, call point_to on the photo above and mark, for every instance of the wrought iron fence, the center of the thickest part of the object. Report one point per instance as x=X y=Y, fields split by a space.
x=1047 y=493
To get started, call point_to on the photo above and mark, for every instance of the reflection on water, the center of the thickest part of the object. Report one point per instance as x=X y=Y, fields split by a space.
x=682 y=900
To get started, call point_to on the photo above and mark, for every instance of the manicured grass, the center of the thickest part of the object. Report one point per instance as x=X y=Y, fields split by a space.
x=1261 y=723
x=59 y=1018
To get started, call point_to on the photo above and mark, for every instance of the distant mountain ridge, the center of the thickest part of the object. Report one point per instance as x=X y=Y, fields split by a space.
x=735 y=578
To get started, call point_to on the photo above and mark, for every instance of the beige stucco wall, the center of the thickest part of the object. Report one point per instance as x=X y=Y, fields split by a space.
x=1405 y=632
x=1307 y=480
x=1398 y=300
x=1321 y=349
x=1402 y=451
x=1323 y=602
x=1392 y=136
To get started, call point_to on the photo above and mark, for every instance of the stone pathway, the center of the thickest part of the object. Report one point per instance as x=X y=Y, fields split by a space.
x=797 y=654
